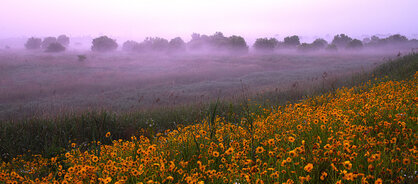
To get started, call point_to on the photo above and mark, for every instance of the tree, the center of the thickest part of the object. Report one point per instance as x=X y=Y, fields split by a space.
x=397 y=38
x=196 y=42
x=341 y=40
x=47 y=41
x=291 y=41
x=199 y=42
x=130 y=46
x=104 y=44
x=177 y=44
x=218 y=41
x=355 y=44
x=375 y=41
x=331 y=48
x=55 y=47
x=237 y=44
x=154 y=44
x=319 y=43
x=305 y=47
x=265 y=44
x=33 y=43
x=63 y=40
x=366 y=40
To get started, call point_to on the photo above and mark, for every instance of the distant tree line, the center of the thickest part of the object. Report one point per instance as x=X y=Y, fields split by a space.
x=339 y=42
x=199 y=43
x=48 y=44
x=220 y=43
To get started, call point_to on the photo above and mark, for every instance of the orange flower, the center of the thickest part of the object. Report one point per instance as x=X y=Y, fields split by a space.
x=229 y=151
x=215 y=154
x=95 y=159
x=271 y=142
x=291 y=139
x=308 y=167
x=323 y=175
x=347 y=165
x=293 y=153
x=406 y=161
x=259 y=150
x=378 y=181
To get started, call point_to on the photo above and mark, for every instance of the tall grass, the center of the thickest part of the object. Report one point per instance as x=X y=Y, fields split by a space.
x=50 y=135
x=364 y=134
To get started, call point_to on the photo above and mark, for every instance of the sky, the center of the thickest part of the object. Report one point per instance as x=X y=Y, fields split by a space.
x=137 y=19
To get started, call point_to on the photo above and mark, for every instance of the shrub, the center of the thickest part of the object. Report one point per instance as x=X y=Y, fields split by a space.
x=33 y=43
x=81 y=57
x=55 y=47
x=104 y=44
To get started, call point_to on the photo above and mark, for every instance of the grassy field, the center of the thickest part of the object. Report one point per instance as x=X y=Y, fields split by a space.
x=48 y=100
x=363 y=134
x=45 y=84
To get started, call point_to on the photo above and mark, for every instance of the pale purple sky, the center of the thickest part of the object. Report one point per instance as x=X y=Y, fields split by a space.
x=137 y=19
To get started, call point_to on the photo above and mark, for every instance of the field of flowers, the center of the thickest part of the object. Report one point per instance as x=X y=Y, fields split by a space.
x=366 y=134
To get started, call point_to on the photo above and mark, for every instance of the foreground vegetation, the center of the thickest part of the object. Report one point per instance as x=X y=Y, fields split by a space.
x=365 y=134
x=49 y=135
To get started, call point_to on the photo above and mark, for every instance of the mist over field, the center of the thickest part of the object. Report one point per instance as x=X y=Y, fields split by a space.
x=126 y=55
x=199 y=91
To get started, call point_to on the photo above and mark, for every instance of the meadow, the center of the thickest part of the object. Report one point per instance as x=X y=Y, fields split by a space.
x=47 y=99
x=45 y=84
x=238 y=137
x=361 y=134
